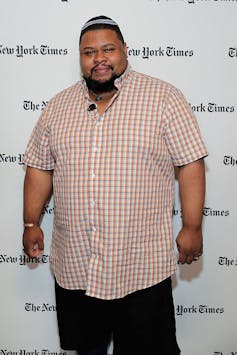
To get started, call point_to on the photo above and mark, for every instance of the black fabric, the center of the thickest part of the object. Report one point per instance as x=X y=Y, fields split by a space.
x=82 y=321
x=146 y=323
x=142 y=323
x=99 y=350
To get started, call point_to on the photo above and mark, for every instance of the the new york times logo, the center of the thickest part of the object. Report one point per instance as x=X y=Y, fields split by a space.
x=31 y=352
x=207 y=212
x=212 y=107
x=227 y=262
x=232 y=52
x=21 y=51
x=6 y=158
x=23 y=259
x=169 y=51
x=200 y=309
x=29 y=105
x=224 y=353
x=211 y=212
x=229 y=160
x=48 y=210
x=193 y=1
x=44 y=307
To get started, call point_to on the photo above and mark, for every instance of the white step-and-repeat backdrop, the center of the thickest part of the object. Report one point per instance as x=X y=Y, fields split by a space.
x=190 y=43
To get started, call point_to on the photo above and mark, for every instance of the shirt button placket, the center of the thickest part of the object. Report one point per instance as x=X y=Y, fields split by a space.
x=93 y=219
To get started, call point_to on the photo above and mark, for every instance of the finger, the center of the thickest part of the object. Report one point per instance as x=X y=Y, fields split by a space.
x=41 y=244
x=189 y=260
x=185 y=258
x=196 y=257
x=32 y=253
x=33 y=242
x=32 y=249
x=182 y=258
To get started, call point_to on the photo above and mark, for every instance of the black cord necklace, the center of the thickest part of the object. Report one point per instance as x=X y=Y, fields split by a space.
x=101 y=97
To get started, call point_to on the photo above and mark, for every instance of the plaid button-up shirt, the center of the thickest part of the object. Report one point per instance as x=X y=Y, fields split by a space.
x=113 y=182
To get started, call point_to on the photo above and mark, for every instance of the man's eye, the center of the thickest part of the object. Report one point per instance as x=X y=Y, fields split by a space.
x=89 y=52
x=109 y=49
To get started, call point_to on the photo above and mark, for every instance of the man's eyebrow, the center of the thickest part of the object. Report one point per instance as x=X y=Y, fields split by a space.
x=88 y=47
x=104 y=45
x=109 y=44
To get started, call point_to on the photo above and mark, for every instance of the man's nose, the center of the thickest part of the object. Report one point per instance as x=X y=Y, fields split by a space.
x=100 y=56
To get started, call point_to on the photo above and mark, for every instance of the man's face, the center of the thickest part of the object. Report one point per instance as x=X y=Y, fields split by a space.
x=102 y=56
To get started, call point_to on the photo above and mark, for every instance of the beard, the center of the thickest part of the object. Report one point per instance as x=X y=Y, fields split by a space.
x=100 y=87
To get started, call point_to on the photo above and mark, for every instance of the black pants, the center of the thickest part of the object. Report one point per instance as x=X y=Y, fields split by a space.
x=141 y=323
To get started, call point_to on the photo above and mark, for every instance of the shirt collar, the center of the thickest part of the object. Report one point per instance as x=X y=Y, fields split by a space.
x=119 y=81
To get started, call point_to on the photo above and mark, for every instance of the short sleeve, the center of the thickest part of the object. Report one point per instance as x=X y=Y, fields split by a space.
x=38 y=153
x=182 y=133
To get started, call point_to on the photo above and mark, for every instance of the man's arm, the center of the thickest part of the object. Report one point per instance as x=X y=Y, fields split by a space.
x=191 y=178
x=37 y=190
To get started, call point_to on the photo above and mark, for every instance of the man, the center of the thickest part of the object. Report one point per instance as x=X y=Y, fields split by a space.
x=107 y=147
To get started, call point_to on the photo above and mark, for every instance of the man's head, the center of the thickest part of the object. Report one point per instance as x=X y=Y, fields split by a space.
x=103 y=53
x=101 y=23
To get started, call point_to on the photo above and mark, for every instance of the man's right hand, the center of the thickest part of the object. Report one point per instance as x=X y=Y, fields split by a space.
x=33 y=241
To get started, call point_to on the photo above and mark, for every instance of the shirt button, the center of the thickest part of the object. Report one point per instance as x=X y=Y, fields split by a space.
x=93 y=229
x=93 y=203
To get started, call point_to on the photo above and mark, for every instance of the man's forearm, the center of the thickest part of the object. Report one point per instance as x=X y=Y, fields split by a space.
x=192 y=193
x=37 y=190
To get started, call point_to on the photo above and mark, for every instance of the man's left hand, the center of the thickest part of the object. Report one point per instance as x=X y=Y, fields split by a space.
x=189 y=244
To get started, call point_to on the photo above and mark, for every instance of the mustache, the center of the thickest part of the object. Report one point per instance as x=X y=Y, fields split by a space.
x=101 y=65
